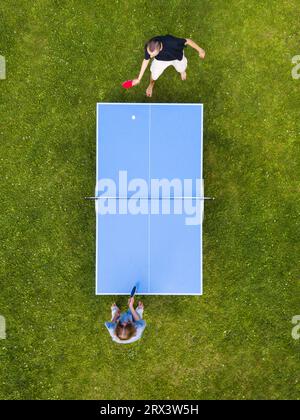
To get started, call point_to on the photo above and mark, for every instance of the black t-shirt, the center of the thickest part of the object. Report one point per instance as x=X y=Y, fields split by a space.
x=172 y=48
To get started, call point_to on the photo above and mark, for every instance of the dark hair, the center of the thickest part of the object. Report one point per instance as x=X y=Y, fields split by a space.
x=153 y=44
x=125 y=333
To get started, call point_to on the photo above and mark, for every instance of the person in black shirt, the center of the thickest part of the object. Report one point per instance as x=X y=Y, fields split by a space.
x=166 y=51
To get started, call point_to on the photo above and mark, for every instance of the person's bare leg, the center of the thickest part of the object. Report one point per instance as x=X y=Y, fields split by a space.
x=149 y=90
x=140 y=309
x=183 y=75
x=115 y=312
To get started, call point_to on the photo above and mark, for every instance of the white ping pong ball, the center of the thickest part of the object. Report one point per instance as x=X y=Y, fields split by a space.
x=133 y=117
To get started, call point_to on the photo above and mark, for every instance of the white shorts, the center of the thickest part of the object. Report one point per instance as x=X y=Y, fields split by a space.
x=158 y=67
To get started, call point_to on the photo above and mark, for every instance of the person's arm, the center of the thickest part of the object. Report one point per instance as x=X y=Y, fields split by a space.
x=132 y=310
x=196 y=47
x=111 y=326
x=142 y=71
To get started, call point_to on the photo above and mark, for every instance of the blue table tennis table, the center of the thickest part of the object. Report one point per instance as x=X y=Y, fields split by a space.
x=160 y=253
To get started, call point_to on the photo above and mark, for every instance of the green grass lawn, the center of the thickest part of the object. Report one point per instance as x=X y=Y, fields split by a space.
x=235 y=341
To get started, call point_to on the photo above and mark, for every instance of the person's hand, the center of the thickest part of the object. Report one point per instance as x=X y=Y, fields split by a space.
x=202 y=54
x=131 y=302
x=135 y=82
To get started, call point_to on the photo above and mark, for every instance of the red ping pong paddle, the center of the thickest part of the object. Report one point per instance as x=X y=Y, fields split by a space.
x=128 y=84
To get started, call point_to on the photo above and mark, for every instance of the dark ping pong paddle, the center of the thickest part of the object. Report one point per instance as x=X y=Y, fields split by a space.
x=133 y=291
